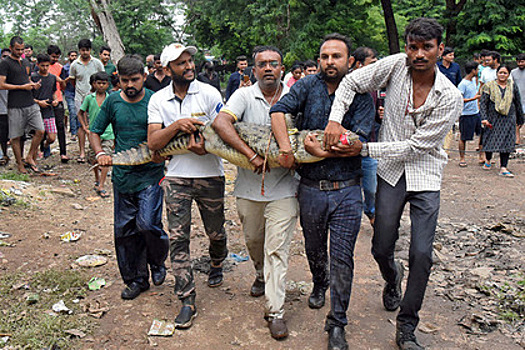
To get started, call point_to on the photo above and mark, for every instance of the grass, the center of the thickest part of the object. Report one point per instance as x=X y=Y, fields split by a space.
x=511 y=298
x=11 y=175
x=30 y=326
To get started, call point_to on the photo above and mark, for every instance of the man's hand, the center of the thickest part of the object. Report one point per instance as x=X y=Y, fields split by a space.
x=54 y=103
x=287 y=160
x=258 y=164
x=187 y=125
x=32 y=85
x=245 y=84
x=104 y=160
x=313 y=146
x=332 y=133
x=197 y=147
x=42 y=104
x=351 y=150
x=157 y=158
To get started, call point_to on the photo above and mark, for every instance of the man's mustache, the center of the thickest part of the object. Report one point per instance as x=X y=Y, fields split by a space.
x=420 y=61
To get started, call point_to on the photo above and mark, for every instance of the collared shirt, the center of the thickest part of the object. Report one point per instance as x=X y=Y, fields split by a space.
x=469 y=89
x=410 y=140
x=70 y=89
x=130 y=126
x=453 y=72
x=310 y=103
x=487 y=75
x=82 y=72
x=249 y=105
x=202 y=102
x=154 y=84
x=233 y=84
x=518 y=75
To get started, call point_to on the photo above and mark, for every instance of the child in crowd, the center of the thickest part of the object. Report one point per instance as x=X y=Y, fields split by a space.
x=115 y=81
x=46 y=99
x=87 y=115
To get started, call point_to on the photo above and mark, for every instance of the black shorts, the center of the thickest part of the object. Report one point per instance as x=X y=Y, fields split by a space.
x=468 y=125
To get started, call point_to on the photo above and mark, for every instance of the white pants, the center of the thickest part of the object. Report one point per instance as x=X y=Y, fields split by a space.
x=268 y=231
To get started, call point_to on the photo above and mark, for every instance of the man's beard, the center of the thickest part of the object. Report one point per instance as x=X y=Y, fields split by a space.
x=179 y=79
x=132 y=93
x=334 y=78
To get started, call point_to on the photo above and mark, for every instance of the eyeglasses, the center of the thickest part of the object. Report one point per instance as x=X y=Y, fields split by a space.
x=262 y=64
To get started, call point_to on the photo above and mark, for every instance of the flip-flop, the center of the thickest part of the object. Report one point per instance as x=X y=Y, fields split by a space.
x=64 y=159
x=33 y=167
x=487 y=166
x=102 y=193
x=506 y=174
x=462 y=164
x=81 y=160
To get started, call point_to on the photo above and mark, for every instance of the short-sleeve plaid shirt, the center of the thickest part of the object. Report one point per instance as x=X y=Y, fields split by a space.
x=410 y=140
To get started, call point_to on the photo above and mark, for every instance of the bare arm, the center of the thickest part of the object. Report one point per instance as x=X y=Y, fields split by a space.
x=159 y=137
x=286 y=159
x=29 y=86
x=223 y=125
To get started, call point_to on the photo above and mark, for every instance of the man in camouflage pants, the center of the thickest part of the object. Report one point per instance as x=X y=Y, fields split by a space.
x=196 y=176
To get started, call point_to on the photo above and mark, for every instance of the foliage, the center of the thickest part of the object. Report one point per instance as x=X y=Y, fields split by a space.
x=145 y=26
x=295 y=26
x=15 y=176
x=31 y=326
x=493 y=25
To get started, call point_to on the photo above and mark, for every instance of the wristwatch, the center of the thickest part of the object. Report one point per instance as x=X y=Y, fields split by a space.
x=364 y=150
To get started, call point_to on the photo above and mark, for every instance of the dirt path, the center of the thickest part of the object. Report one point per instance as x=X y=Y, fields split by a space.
x=228 y=317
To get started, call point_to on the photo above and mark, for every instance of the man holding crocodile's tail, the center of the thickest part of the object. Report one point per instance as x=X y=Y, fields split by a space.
x=195 y=176
x=329 y=190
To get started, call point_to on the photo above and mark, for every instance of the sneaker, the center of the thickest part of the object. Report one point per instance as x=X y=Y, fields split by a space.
x=392 y=292
x=185 y=317
x=133 y=290
x=215 y=278
x=257 y=288
x=406 y=340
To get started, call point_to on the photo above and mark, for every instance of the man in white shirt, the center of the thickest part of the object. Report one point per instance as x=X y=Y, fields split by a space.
x=492 y=62
x=183 y=106
x=518 y=75
x=420 y=108
x=268 y=220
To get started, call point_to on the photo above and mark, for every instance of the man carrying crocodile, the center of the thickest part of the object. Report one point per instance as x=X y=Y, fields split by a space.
x=197 y=176
x=329 y=191
x=268 y=220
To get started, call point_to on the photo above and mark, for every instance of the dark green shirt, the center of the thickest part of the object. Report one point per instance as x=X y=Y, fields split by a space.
x=130 y=126
x=110 y=69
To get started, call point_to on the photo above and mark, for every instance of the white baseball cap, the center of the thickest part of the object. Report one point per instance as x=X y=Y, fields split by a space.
x=173 y=51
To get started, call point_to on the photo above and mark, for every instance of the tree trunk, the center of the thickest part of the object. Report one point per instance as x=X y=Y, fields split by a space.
x=391 y=28
x=104 y=20
x=452 y=11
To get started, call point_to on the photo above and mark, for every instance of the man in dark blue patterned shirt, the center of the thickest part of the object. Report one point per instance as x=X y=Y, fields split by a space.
x=330 y=190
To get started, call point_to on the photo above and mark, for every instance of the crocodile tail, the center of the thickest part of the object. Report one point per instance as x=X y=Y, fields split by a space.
x=133 y=156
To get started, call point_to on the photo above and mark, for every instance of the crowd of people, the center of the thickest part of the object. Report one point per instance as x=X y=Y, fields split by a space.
x=401 y=109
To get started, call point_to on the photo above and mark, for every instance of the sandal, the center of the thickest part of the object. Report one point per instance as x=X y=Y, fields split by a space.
x=102 y=193
x=33 y=167
x=463 y=164
x=487 y=166
x=81 y=160
x=4 y=160
x=64 y=159
x=506 y=174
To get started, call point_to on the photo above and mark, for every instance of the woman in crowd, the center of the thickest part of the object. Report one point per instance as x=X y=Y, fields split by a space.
x=501 y=110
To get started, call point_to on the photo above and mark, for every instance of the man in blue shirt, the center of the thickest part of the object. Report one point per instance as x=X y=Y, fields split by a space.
x=470 y=120
x=448 y=67
x=235 y=79
x=329 y=190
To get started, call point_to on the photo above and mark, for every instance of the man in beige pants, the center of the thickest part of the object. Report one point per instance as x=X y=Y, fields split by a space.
x=268 y=220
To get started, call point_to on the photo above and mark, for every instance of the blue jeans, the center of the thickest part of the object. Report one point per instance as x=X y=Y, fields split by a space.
x=337 y=211
x=74 y=123
x=139 y=237
x=424 y=209
x=369 y=166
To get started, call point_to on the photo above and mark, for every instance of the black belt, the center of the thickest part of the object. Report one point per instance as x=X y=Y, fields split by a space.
x=326 y=185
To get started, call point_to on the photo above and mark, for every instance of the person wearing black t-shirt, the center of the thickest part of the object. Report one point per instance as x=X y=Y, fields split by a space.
x=22 y=111
x=158 y=80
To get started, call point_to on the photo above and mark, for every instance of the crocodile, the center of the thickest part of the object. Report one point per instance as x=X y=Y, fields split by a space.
x=256 y=136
